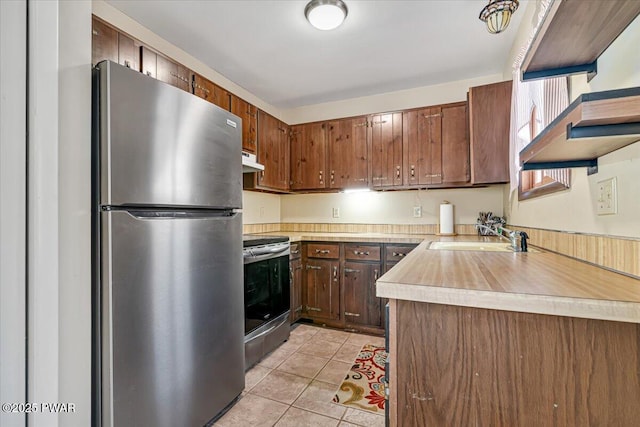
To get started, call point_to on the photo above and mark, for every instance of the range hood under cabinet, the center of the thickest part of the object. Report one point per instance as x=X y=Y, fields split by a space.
x=250 y=163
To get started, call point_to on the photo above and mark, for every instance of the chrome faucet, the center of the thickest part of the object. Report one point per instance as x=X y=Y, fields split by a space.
x=512 y=237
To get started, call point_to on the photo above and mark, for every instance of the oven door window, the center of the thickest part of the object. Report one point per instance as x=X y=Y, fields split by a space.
x=266 y=291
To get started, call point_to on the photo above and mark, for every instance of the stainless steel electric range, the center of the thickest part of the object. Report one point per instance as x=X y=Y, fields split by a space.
x=266 y=295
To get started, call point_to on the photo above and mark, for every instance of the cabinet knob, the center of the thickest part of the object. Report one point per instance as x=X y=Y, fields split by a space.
x=335 y=274
x=375 y=275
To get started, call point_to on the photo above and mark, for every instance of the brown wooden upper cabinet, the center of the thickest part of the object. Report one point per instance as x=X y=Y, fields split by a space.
x=386 y=149
x=273 y=153
x=309 y=156
x=108 y=43
x=104 y=42
x=436 y=145
x=489 y=121
x=348 y=157
x=249 y=115
x=162 y=68
x=211 y=92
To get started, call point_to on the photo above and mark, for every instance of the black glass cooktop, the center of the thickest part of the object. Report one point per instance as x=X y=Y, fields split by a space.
x=249 y=240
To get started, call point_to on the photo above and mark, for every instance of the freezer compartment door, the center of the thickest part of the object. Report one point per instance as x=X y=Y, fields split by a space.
x=162 y=146
x=172 y=317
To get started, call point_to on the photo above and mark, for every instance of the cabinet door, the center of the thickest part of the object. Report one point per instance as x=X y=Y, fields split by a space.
x=455 y=144
x=386 y=149
x=308 y=156
x=361 y=305
x=149 y=62
x=322 y=289
x=249 y=115
x=221 y=98
x=203 y=88
x=295 y=268
x=104 y=42
x=422 y=138
x=128 y=52
x=173 y=73
x=273 y=152
x=489 y=121
x=348 y=158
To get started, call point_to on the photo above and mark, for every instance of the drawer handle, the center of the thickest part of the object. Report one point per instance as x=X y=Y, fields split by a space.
x=346 y=313
x=366 y=253
x=351 y=270
x=400 y=254
x=313 y=267
x=323 y=251
x=335 y=274
x=428 y=116
x=313 y=309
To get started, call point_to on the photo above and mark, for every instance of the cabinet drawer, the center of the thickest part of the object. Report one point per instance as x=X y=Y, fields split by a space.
x=353 y=251
x=295 y=251
x=396 y=253
x=323 y=250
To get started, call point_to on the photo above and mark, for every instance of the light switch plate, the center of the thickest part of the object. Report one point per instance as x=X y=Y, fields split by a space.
x=336 y=212
x=607 y=201
x=417 y=211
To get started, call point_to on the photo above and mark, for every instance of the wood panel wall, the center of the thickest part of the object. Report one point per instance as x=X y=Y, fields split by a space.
x=461 y=366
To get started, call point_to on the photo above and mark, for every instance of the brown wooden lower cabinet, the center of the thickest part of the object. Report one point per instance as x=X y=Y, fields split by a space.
x=322 y=289
x=361 y=305
x=358 y=266
x=462 y=366
x=295 y=271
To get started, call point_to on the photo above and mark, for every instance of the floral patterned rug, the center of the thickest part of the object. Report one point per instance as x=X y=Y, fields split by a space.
x=363 y=386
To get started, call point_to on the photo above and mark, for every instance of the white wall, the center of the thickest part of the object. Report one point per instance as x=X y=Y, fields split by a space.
x=391 y=101
x=574 y=209
x=392 y=207
x=13 y=166
x=260 y=208
x=74 y=210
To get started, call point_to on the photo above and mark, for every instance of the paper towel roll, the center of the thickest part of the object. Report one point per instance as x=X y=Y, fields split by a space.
x=446 y=218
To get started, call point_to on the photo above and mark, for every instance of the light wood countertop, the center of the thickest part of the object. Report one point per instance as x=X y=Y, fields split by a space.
x=350 y=237
x=543 y=283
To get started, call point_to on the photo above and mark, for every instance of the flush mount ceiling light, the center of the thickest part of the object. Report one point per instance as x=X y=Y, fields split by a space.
x=326 y=14
x=497 y=14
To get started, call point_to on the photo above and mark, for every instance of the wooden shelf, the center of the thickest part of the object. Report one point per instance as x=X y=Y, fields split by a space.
x=593 y=125
x=574 y=34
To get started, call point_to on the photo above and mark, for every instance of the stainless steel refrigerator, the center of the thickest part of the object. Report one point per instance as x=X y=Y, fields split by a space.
x=168 y=294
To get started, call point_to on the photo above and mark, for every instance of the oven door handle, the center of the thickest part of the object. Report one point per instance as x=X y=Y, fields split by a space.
x=260 y=254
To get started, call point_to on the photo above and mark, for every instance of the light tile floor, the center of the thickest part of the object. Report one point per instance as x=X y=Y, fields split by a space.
x=293 y=386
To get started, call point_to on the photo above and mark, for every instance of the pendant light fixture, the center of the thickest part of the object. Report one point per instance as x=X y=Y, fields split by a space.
x=326 y=14
x=497 y=14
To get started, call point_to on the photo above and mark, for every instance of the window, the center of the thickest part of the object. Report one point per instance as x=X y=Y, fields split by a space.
x=535 y=105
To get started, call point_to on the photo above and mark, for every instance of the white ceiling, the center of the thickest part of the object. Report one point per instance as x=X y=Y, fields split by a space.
x=270 y=49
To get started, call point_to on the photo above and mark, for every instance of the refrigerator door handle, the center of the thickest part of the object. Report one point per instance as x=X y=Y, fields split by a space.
x=160 y=214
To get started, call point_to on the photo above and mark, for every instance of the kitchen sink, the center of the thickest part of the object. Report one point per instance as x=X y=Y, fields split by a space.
x=474 y=246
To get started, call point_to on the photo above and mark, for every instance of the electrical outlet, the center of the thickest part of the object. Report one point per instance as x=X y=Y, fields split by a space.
x=607 y=197
x=417 y=211
x=336 y=212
